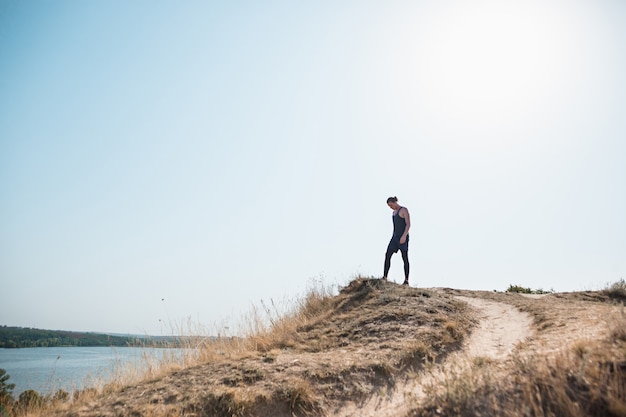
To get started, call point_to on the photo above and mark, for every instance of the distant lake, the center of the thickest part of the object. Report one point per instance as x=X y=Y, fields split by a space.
x=71 y=368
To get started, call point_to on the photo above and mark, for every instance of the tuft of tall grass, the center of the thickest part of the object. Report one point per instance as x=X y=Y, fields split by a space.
x=227 y=403
x=587 y=379
x=276 y=327
x=617 y=290
x=300 y=398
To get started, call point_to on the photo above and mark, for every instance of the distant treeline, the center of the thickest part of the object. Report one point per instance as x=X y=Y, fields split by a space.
x=21 y=337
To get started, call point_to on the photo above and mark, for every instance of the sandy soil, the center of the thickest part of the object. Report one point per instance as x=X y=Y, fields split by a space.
x=501 y=327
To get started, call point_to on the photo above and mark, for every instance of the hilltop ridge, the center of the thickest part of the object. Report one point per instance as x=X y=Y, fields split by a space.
x=378 y=348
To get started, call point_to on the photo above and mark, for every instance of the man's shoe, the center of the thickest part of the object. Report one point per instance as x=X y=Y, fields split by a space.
x=406 y=282
x=384 y=278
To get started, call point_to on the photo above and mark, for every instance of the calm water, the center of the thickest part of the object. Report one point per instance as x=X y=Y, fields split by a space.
x=70 y=368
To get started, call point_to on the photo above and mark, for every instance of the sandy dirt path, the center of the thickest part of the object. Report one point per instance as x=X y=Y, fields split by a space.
x=501 y=326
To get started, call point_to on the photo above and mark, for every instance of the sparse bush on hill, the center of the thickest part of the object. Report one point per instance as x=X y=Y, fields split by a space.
x=519 y=289
x=526 y=290
x=30 y=400
x=617 y=290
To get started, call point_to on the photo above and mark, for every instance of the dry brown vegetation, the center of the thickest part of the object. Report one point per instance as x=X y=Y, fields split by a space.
x=575 y=365
x=376 y=338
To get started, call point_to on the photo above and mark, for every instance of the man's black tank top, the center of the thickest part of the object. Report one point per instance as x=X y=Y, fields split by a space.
x=399 y=224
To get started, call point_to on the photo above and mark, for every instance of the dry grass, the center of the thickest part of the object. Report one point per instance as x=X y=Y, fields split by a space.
x=326 y=349
x=569 y=384
x=274 y=328
x=616 y=291
x=575 y=366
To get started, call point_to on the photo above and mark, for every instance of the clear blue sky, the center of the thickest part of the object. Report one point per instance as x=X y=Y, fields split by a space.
x=215 y=154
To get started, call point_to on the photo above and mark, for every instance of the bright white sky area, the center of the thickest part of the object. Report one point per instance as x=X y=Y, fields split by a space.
x=171 y=161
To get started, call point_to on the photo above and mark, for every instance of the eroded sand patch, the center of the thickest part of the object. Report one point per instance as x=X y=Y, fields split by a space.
x=501 y=327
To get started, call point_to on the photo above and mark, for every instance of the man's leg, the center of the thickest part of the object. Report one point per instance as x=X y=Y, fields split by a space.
x=405 y=259
x=387 y=262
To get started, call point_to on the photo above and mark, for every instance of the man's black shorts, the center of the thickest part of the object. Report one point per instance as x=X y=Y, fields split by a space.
x=394 y=245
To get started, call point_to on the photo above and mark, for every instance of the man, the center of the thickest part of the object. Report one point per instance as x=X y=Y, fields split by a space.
x=400 y=238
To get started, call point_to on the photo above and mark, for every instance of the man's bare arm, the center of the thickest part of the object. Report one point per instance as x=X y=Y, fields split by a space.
x=407 y=219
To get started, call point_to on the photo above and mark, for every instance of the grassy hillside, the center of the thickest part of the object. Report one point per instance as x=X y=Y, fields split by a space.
x=378 y=348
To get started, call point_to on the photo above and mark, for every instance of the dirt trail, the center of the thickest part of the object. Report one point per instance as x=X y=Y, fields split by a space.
x=501 y=326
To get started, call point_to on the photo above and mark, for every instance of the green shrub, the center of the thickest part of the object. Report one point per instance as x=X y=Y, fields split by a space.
x=519 y=289
x=29 y=400
x=524 y=290
x=6 y=389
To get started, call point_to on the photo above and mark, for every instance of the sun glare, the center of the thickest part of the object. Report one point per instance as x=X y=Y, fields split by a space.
x=489 y=63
